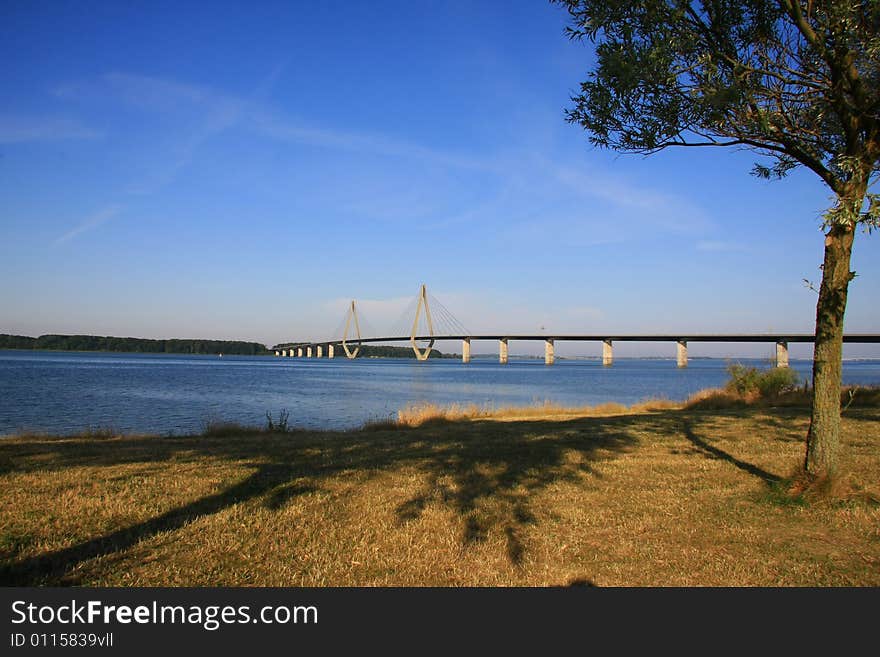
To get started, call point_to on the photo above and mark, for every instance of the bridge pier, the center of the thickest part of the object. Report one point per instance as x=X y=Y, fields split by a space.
x=330 y=351
x=607 y=353
x=299 y=352
x=277 y=353
x=502 y=351
x=682 y=353
x=549 y=354
x=466 y=350
x=308 y=352
x=781 y=354
x=320 y=349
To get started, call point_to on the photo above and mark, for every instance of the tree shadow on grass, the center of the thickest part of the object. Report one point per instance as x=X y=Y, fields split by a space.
x=714 y=452
x=784 y=424
x=488 y=473
x=856 y=414
x=51 y=568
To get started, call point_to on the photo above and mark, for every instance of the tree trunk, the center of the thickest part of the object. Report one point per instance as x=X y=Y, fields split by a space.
x=823 y=440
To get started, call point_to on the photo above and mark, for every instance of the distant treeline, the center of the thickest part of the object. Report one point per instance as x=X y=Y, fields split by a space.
x=135 y=345
x=377 y=351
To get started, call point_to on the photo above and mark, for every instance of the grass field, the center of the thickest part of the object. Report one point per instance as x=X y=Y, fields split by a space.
x=655 y=495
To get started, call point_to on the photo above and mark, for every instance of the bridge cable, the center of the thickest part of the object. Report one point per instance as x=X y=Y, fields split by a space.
x=340 y=329
x=452 y=324
x=449 y=325
x=403 y=324
x=367 y=329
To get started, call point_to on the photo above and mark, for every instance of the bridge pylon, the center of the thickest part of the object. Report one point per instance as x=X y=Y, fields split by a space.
x=422 y=354
x=351 y=315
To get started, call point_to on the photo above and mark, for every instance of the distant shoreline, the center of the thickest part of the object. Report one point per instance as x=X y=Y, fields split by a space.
x=105 y=343
x=444 y=356
x=178 y=346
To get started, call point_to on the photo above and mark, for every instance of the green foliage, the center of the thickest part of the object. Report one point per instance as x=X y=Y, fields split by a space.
x=376 y=351
x=16 y=342
x=132 y=345
x=752 y=382
x=796 y=82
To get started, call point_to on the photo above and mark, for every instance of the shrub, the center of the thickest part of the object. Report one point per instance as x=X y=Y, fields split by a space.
x=750 y=382
x=743 y=380
x=777 y=380
x=281 y=426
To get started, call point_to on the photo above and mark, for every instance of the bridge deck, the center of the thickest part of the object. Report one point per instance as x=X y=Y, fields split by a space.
x=858 y=338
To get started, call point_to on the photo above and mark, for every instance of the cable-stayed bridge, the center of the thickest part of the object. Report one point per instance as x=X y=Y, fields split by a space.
x=426 y=320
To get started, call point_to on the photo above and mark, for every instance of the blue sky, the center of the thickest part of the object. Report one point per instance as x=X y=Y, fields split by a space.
x=243 y=171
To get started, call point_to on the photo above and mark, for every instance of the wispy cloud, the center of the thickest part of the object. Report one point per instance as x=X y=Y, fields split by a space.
x=532 y=195
x=219 y=111
x=646 y=205
x=90 y=223
x=137 y=90
x=717 y=246
x=156 y=93
x=208 y=113
x=287 y=128
x=225 y=110
x=14 y=129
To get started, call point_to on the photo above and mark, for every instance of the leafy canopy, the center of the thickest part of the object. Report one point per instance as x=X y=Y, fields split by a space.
x=796 y=81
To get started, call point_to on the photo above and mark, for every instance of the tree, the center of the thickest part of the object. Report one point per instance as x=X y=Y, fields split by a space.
x=796 y=81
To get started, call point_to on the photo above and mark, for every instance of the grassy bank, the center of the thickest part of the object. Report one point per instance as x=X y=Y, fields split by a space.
x=656 y=495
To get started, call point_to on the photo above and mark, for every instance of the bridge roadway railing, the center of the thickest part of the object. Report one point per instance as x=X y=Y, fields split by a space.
x=327 y=347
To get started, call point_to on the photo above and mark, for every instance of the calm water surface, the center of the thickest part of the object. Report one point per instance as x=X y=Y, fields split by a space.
x=159 y=393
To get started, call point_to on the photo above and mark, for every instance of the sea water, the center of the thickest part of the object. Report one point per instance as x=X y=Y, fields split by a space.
x=62 y=392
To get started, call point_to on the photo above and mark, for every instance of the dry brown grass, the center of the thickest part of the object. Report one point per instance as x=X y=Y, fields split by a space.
x=711 y=399
x=648 y=497
x=418 y=414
